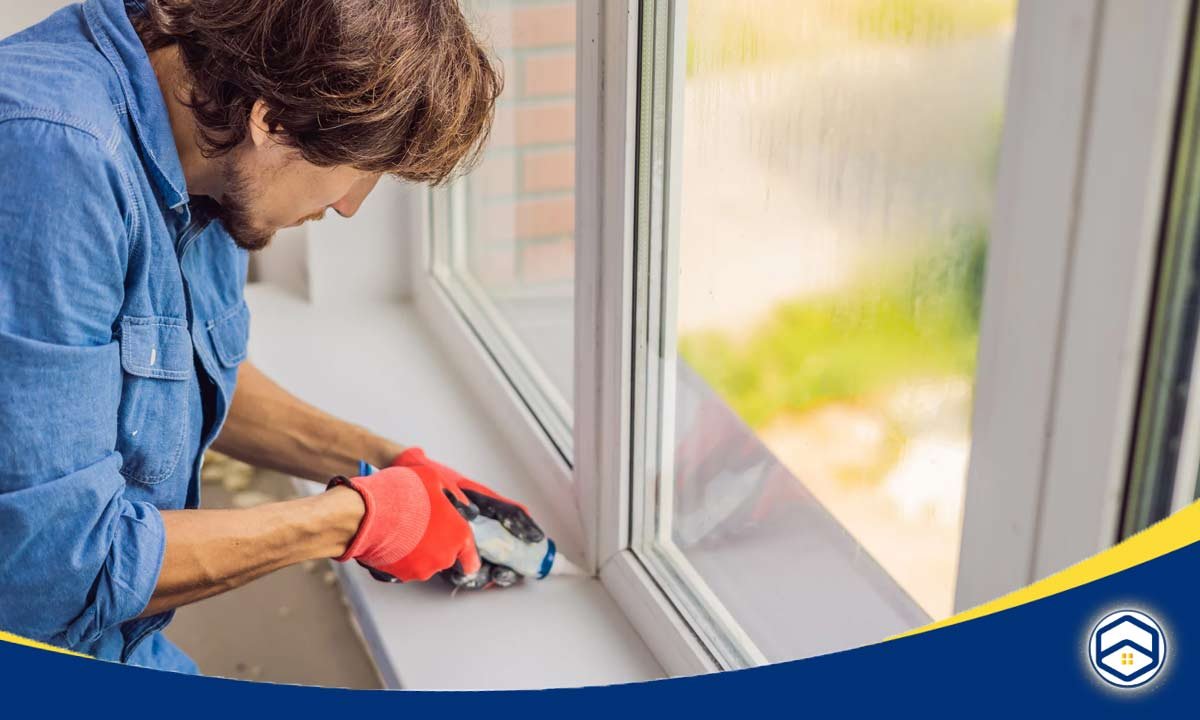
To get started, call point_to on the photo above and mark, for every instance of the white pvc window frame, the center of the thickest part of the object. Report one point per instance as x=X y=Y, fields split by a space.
x=448 y=258
x=471 y=342
x=1080 y=201
x=1081 y=188
x=610 y=402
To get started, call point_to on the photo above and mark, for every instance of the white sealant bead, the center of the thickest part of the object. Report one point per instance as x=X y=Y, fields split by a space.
x=563 y=566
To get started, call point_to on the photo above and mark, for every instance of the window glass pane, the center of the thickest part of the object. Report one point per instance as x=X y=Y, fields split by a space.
x=517 y=209
x=838 y=162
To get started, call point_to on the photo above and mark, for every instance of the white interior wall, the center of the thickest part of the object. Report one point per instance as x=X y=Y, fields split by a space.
x=337 y=259
x=284 y=263
x=18 y=14
x=365 y=257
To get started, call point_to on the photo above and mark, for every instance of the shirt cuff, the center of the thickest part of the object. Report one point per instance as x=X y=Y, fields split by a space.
x=130 y=573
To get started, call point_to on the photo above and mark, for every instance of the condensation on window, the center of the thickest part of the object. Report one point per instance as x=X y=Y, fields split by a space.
x=839 y=160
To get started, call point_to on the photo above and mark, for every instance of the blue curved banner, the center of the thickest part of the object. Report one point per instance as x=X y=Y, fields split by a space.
x=1126 y=644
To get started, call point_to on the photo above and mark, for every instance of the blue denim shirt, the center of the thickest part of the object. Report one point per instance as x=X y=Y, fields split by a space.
x=122 y=323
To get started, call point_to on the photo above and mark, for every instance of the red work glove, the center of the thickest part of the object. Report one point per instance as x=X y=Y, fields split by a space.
x=410 y=530
x=487 y=502
x=476 y=499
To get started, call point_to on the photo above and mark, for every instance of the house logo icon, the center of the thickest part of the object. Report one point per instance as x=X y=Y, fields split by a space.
x=1127 y=648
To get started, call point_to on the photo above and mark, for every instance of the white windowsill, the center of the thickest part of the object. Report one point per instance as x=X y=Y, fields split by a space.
x=379 y=366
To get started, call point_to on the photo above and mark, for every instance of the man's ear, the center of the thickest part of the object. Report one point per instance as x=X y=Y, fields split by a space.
x=260 y=132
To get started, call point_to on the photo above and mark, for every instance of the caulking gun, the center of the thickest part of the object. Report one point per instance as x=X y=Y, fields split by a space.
x=500 y=547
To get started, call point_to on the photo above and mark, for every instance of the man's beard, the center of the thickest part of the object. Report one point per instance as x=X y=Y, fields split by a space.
x=234 y=210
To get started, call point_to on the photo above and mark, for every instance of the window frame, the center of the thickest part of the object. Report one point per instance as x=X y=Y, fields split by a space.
x=1041 y=495
x=662 y=44
x=607 y=133
x=1062 y=274
x=448 y=267
x=475 y=362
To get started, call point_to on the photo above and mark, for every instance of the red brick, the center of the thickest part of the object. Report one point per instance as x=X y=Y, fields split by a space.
x=548 y=261
x=542 y=218
x=541 y=124
x=504 y=126
x=492 y=23
x=497 y=227
x=494 y=267
x=550 y=74
x=543 y=170
x=543 y=25
x=496 y=173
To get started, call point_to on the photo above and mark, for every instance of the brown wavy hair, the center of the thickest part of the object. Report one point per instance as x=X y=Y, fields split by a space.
x=392 y=86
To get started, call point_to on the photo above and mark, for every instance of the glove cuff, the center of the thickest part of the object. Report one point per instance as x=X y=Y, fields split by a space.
x=359 y=540
x=396 y=518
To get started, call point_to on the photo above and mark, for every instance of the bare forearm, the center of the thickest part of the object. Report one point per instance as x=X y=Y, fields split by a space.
x=269 y=427
x=211 y=551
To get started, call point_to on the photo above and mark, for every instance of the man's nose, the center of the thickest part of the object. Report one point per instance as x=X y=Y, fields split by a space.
x=353 y=200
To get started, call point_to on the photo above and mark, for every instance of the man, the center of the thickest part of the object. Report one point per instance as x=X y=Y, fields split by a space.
x=146 y=146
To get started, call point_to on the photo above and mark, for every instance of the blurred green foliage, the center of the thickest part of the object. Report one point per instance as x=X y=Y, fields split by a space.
x=725 y=34
x=929 y=20
x=890 y=326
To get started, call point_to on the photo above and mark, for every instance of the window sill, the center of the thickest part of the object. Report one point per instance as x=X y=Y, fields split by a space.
x=554 y=633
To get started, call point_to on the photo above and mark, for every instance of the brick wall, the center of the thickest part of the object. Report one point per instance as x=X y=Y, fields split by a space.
x=521 y=202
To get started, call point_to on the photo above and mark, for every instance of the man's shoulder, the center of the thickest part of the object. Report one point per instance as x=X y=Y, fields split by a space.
x=57 y=77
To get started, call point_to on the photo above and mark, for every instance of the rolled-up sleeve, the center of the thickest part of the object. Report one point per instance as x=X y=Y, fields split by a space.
x=77 y=557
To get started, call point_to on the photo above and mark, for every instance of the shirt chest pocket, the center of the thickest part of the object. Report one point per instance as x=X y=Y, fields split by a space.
x=230 y=332
x=156 y=357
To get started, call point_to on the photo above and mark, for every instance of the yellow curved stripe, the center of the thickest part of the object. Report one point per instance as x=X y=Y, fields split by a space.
x=18 y=640
x=1179 y=530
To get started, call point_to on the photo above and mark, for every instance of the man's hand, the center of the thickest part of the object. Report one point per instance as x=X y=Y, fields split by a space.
x=411 y=530
x=476 y=499
x=511 y=514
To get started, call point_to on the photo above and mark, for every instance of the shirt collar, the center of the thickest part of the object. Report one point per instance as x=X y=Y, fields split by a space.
x=114 y=34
